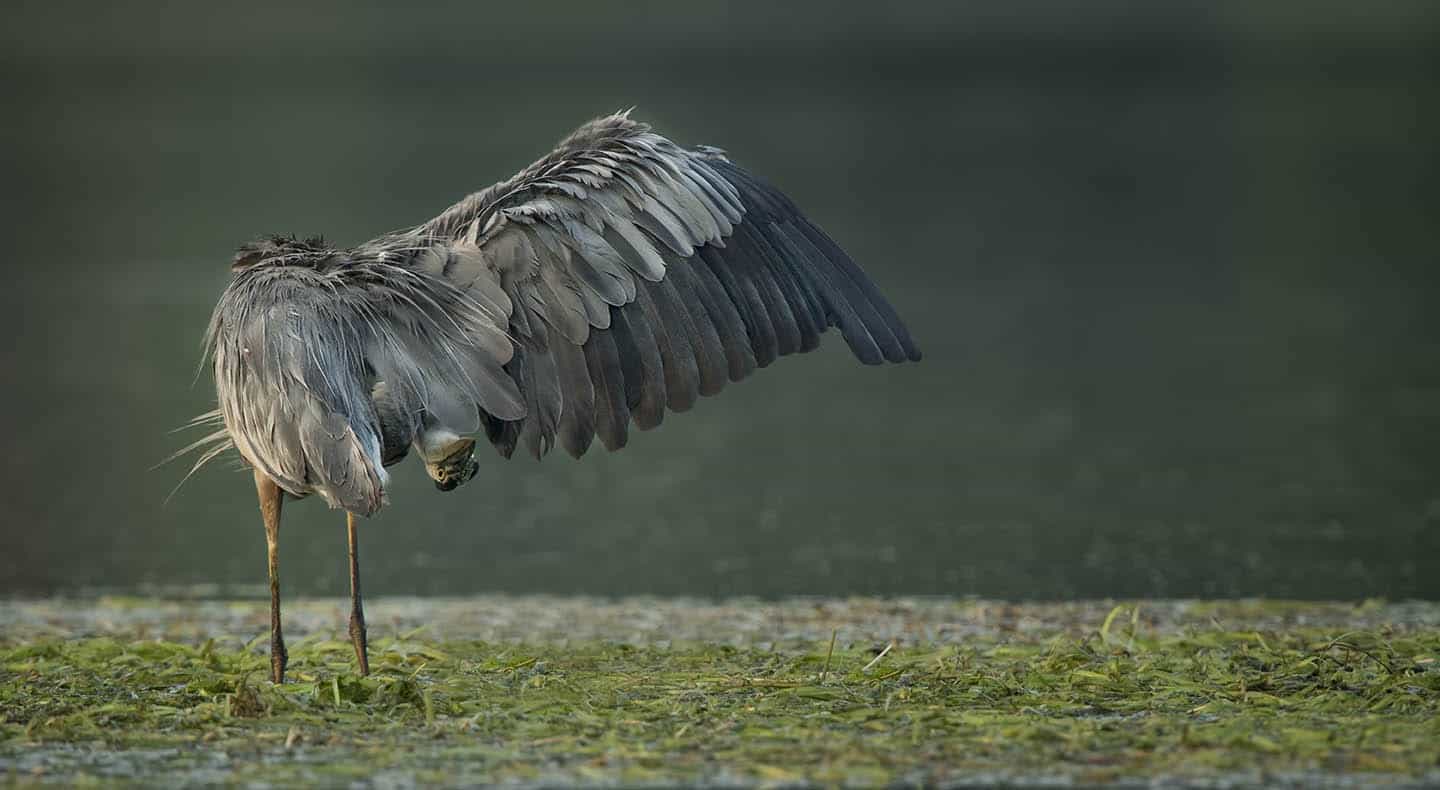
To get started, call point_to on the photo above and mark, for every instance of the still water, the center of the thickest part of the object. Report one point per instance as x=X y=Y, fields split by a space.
x=1173 y=276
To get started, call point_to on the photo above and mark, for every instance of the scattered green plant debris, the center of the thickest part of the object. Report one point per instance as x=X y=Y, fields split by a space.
x=1111 y=700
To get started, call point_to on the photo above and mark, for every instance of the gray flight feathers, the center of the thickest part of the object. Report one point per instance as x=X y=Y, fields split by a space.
x=616 y=278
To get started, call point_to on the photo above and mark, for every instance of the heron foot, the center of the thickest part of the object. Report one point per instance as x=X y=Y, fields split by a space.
x=357 y=638
x=279 y=658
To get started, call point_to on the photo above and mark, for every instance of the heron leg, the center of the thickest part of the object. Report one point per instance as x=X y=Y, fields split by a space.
x=270 y=499
x=357 y=611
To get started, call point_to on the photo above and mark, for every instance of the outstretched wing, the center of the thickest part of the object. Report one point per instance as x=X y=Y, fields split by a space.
x=614 y=279
x=641 y=275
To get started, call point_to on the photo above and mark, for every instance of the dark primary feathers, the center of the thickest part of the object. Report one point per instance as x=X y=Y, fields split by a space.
x=618 y=277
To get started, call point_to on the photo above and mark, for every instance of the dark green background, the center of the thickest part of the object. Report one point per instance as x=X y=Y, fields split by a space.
x=1173 y=268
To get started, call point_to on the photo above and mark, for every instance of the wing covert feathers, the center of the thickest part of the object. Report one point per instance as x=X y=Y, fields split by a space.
x=674 y=271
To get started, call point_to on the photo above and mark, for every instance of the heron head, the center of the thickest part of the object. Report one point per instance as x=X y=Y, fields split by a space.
x=459 y=467
x=286 y=250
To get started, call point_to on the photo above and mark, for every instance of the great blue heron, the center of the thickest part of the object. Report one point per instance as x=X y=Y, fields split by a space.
x=618 y=276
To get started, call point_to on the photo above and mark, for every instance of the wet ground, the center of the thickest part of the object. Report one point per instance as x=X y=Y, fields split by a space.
x=534 y=690
x=792 y=623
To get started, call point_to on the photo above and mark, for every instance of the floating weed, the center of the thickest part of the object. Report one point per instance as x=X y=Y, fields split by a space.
x=1094 y=704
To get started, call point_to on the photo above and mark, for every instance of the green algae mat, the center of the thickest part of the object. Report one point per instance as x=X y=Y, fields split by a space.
x=545 y=691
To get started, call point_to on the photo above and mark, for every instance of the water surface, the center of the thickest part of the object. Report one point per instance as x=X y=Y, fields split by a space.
x=1173 y=274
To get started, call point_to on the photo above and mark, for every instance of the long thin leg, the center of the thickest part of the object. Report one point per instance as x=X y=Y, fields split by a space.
x=270 y=500
x=357 y=611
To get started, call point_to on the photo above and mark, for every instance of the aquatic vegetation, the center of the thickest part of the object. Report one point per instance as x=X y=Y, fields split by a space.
x=1115 y=700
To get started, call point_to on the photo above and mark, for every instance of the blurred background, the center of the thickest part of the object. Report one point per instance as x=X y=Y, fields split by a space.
x=1173 y=267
